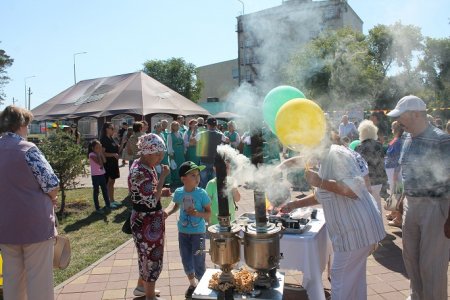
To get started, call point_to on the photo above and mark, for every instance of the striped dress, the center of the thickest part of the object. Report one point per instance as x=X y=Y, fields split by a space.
x=351 y=223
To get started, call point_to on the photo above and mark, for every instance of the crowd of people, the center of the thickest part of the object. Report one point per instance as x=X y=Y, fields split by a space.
x=347 y=183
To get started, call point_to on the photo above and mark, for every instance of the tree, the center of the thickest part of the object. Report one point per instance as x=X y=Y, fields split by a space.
x=393 y=48
x=347 y=66
x=5 y=62
x=67 y=160
x=177 y=74
x=336 y=65
x=435 y=65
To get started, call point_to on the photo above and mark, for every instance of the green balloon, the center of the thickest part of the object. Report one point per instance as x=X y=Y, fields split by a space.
x=275 y=99
x=354 y=144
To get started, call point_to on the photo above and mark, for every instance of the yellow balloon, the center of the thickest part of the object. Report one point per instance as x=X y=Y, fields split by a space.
x=300 y=122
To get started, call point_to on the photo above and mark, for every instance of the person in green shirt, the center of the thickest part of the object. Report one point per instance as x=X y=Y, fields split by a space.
x=233 y=197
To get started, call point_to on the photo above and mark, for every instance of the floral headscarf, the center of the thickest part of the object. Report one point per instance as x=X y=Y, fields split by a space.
x=150 y=144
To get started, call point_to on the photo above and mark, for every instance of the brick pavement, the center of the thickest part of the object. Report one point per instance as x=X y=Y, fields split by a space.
x=115 y=275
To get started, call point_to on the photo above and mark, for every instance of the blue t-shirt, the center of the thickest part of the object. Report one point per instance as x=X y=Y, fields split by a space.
x=425 y=162
x=198 y=198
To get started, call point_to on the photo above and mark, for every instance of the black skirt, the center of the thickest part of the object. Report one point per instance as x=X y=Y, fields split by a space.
x=112 y=168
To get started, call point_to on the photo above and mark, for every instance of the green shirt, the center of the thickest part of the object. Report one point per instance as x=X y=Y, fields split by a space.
x=211 y=190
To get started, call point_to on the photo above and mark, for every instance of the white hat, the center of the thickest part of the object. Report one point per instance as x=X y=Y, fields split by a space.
x=408 y=103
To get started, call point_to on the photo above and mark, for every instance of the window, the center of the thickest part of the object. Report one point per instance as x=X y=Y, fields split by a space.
x=88 y=127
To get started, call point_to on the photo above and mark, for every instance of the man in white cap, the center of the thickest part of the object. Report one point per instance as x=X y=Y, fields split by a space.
x=425 y=163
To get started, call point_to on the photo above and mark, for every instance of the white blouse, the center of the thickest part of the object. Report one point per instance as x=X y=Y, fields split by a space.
x=351 y=223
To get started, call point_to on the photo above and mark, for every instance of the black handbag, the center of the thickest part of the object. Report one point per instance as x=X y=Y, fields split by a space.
x=126 y=227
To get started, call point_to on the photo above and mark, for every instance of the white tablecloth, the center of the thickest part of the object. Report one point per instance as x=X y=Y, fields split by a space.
x=308 y=253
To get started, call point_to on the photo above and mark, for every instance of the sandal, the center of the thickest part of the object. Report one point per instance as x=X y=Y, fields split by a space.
x=390 y=216
x=396 y=223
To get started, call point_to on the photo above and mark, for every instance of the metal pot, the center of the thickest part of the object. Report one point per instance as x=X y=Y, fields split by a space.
x=262 y=249
x=224 y=245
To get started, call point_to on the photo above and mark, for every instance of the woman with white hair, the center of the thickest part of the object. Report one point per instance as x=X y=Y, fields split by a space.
x=232 y=134
x=372 y=151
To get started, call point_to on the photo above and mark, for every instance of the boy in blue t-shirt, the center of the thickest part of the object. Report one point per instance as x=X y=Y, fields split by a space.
x=195 y=209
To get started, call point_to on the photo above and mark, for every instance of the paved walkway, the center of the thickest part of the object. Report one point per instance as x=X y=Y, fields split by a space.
x=115 y=275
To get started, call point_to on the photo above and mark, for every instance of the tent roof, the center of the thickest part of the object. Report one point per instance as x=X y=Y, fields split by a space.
x=227 y=115
x=135 y=93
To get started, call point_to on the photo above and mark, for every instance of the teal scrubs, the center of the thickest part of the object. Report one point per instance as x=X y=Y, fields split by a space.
x=178 y=156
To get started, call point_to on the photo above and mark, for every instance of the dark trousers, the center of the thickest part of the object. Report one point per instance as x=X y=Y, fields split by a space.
x=100 y=181
x=207 y=174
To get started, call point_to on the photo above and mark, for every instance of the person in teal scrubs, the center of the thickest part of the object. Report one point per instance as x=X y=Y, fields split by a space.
x=190 y=142
x=232 y=134
x=175 y=148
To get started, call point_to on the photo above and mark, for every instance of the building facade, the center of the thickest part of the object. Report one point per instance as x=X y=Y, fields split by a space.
x=267 y=38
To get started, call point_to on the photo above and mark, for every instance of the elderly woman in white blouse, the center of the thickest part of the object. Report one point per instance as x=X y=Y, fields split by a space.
x=353 y=221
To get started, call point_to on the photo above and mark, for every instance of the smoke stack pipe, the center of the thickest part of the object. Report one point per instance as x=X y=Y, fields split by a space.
x=221 y=175
x=258 y=195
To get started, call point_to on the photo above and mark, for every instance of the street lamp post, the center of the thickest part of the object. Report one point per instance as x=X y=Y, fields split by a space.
x=74 y=68
x=25 y=81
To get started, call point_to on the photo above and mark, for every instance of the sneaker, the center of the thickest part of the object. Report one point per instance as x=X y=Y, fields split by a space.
x=113 y=206
x=100 y=211
x=116 y=204
x=189 y=291
x=139 y=291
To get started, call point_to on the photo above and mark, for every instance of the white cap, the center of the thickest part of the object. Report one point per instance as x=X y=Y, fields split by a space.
x=408 y=103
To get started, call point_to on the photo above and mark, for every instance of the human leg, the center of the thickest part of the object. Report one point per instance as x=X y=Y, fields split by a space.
x=186 y=253
x=376 y=194
x=110 y=184
x=38 y=261
x=348 y=274
x=434 y=249
x=411 y=246
x=14 y=283
x=95 y=186
x=104 y=191
x=198 y=241
x=188 y=258
x=148 y=234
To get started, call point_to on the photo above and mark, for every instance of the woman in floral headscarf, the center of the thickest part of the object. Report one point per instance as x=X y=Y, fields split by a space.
x=147 y=217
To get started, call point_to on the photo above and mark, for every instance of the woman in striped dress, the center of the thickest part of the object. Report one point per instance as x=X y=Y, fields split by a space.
x=353 y=221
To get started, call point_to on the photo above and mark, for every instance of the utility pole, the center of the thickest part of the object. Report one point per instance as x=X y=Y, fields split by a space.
x=25 y=82
x=74 y=68
x=14 y=101
x=29 y=98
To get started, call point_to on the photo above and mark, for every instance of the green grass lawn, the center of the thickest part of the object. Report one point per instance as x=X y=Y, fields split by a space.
x=92 y=235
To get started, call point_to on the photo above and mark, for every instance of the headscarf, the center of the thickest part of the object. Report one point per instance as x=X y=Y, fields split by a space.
x=150 y=144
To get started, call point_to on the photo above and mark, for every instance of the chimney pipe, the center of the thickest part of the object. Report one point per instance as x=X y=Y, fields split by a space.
x=221 y=175
x=258 y=195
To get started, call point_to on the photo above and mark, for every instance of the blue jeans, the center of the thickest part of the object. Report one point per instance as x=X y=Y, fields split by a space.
x=100 y=181
x=207 y=174
x=189 y=244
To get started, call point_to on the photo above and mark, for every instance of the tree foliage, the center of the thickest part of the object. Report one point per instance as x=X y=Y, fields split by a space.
x=177 y=74
x=5 y=62
x=435 y=67
x=67 y=160
x=336 y=65
x=344 y=66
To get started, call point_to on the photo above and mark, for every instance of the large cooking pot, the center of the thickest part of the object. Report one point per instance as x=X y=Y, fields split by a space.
x=224 y=245
x=262 y=248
